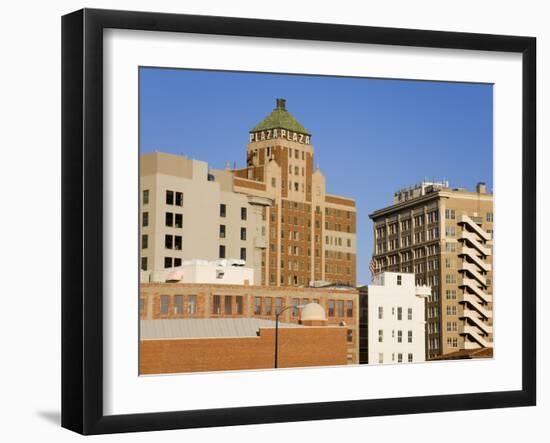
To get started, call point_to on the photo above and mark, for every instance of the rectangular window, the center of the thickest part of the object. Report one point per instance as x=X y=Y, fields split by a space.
x=399 y=313
x=400 y=358
x=227 y=305
x=178 y=304
x=222 y=210
x=167 y=262
x=278 y=305
x=243 y=213
x=410 y=336
x=267 y=305
x=350 y=335
x=340 y=308
x=331 y=308
x=164 y=300
x=243 y=254
x=409 y=314
x=380 y=312
x=179 y=221
x=168 y=242
x=169 y=197
x=145 y=197
x=144 y=263
x=349 y=308
x=216 y=304
x=222 y=251
x=399 y=280
x=179 y=198
x=243 y=233
x=257 y=305
x=144 y=241
x=177 y=262
x=145 y=219
x=222 y=231
x=239 y=304
x=192 y=306
x=169 y=219
x=380 y=335
x=410 y=358
x=399 y=336
x=178 y=242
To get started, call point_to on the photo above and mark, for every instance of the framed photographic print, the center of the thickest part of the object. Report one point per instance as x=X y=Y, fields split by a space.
x=301 y=218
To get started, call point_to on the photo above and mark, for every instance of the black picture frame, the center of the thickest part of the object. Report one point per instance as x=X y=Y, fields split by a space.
x=82 y=215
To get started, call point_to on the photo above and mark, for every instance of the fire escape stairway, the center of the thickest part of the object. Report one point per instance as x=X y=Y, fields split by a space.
x=465 y=220
x=472 y=255
x=472 y=300
x=473 y=270
x=473 y=240
x=472 y=285
x=473 y=333
x=474 y=318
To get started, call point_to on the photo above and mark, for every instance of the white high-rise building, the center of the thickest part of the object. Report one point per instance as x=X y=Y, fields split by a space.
x=394 y=330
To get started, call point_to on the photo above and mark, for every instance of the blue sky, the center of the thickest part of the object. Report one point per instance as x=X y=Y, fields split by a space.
x=371 y=136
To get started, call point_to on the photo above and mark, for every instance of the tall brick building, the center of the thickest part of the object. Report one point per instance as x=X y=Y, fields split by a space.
x=311 y=235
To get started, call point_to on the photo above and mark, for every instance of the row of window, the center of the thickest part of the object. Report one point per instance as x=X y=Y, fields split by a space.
x=393 y=311
x=223 y=232
x=178 y=307
x=399 y=336
x=222 y=253
x=399 y=357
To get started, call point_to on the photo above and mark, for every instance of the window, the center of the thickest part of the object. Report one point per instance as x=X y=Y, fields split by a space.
x=380 y=358
x=177 y=242
x=239 y=304
x=243 y=254
x=257 y=305
x=178 y=304
x=350 y=335
x=380 y=312
x=216 y=304
x=295 y=302
x=222 y=231
x=243 y=213
x=145 y=219
x=222 y=251
x=450 y=294
x=164 y=300
x=179 y=198
x=145 y=199
x=410 y=358
x=450 y=231
x=179 y=221
x=399 y=313
x=168 y=242
x=400 y=358
x=340 y=308
x=331 y=308
x=278 y=305
x=409 y=314
x=227 y=305
x=349 y=308
x=243 y=233
x=489 y=217
x=167 y=262
x=450 y=247
x=267 y=305
x=399 y=336
x=410 y=336
x=450 y=214
x=144 y=241
x=141 y=305
x=450 y=278
x=144 y=263
x=380 y=335
x=399 y=280
x=169 y=197
x=192 y=306
x=222 y=210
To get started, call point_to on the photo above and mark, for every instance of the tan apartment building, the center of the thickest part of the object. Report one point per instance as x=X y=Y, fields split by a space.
x=189 y=213
x=311 y=235
x=445 y=237
x=188 y=301
x=274 y=214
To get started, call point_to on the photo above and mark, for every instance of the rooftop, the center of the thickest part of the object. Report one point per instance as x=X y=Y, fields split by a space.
x=206 y=328
x=280 y=118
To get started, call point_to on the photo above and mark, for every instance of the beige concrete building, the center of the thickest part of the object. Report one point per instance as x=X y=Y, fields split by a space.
x=189 y=212
x=445 y=237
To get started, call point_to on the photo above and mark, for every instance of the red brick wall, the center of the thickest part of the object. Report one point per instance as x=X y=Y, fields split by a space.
x=298 y=347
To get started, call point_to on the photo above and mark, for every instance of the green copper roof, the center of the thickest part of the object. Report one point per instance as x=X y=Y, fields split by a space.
x=280 y=118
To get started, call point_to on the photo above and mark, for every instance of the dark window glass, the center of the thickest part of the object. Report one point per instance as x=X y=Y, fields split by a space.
x=178 y=304
x=227 y=308
x=145 y=219
x=222 y=251
x=239 y=304
x=179 y=221
x=144 y=241
x=169 y=197
x=216 y=304
x=145 y=197
x=179 y=198
x=169 y=219
x=164 y=299
x=222 y=210
x=167 y=262
x=243 y=213
x=243 y=253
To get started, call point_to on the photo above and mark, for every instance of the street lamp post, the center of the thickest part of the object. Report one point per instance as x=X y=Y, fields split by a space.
x=277 y=314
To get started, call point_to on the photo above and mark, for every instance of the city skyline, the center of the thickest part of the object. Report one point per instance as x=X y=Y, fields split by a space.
x=396 y=132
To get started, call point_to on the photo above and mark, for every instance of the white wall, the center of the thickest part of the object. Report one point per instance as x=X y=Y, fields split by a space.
x=30 y=91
